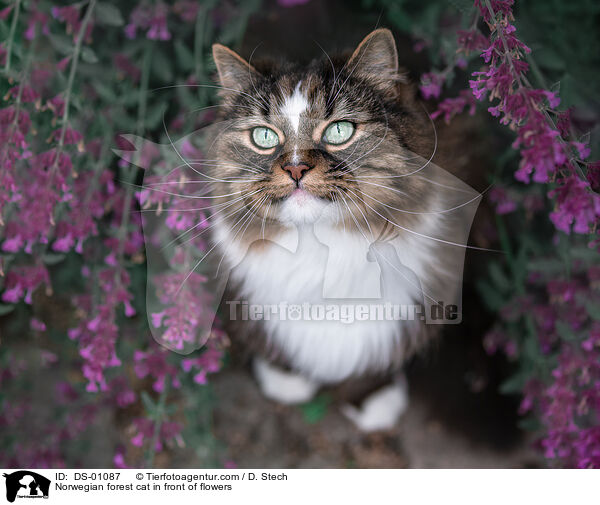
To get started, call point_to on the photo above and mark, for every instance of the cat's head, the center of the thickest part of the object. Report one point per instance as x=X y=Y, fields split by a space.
x=334 y=138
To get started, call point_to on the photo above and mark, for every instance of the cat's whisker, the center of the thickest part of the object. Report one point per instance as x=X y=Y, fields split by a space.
x=214 y=86
x=264 y=221
x=262 y=202
x=180 y=155
x=211 y=216
x=419 y=288
x=424 y=213
x=356 y=145
x=362 y=214
x=199 y=197
x=229 y=165
x=361 y=179
x=427 y=162
x=453 y=188
x=195 y=267
x=435 y=239
x=263 y=100
x=407 y=279
x=347 y=157
x=346 y=171
x=208 y=228
x=195 y=181
x=220 y=133
x=247 y=218
x=352 y=71
x=359 y=228
x=199 y=109
x=206 y=255
x=242 y=156
x=332 y=66
x=339 y=216
x=233 y=166
x=202 y=232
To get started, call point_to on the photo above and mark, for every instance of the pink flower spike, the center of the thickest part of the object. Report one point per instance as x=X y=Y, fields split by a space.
x=200 y=377
x=138 y=440
x=37 y=325
x=129 y=310
x=157 y=318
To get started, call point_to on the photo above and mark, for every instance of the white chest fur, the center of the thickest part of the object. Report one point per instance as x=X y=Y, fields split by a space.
x=330 y=270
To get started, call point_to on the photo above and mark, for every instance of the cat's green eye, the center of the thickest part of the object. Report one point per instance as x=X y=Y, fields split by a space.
x=265 y=138
x=338 y=132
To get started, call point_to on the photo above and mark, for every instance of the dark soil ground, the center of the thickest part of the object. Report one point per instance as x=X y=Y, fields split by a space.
x=261 y=434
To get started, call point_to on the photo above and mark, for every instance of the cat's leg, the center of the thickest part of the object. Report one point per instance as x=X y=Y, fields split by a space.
x=382 y=409
x=281 y=386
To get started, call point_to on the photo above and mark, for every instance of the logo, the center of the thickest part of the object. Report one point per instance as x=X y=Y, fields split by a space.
x=26 y=484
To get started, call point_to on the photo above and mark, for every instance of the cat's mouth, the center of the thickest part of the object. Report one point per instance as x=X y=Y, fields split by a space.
x=300 y=196
x=302 y=206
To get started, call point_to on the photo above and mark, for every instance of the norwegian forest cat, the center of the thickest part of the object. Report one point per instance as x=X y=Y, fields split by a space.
x=332 y=172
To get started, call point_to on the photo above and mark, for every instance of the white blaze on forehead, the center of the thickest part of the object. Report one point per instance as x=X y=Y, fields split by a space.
x=293 y=106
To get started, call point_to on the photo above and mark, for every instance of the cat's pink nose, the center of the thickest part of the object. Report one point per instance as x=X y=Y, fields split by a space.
x=296 y=171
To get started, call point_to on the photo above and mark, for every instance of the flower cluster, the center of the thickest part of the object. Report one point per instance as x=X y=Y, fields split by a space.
x=548 y=154
x=71 y=228
x=152 y=19
x=547 y=325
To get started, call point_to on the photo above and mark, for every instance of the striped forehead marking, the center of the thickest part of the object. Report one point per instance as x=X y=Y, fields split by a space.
x=294 y=106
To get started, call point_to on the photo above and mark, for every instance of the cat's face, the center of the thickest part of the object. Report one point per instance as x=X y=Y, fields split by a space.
x=333 y=139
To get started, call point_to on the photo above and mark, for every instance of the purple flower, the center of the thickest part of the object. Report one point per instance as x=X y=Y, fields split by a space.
x=37 y=325
x=504 y=203
x=431 y=85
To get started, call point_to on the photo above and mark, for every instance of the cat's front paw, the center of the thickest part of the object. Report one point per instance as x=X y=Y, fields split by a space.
x=381 y=410
x=283 y=387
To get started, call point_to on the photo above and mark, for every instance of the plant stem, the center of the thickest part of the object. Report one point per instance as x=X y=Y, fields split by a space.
x=158 y=421
x=72 y=72
x=142 y=105
x=11 y=36
x=198 y=46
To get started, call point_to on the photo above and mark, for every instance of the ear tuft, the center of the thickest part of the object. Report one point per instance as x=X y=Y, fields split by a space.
x=376 y=58
x=235 y=73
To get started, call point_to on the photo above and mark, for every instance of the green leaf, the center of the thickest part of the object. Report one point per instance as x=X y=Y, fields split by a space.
x=549 y=59
x=529 y=424
x=108 y=14
x=105 y=92
x=53 y=258
x=513 y=384
x=491 y=297
x=565 y=331
x=499 y=278
x=149 y=405
x=62 y=43
x=593 y=310
x=316 y=409
x=162 y=66
x=547 y=266
x=6 y=309
x=462 y=5
x=88 y=55
x=155 y=115
x=584 y=253
x=185 y=57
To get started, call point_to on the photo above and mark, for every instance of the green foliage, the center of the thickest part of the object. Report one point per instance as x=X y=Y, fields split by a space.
x=316 y=409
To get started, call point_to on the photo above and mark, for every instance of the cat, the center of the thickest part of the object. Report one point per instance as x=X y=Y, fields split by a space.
x=332 y=175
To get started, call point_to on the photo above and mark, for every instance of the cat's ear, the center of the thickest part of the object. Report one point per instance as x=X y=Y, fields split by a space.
x=376 y=59
x=235 y=73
